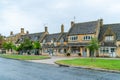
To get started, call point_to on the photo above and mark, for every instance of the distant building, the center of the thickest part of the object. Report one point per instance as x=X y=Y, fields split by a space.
x=14 y=37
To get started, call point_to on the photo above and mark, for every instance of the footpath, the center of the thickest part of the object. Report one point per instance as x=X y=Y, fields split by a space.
x=52 y=60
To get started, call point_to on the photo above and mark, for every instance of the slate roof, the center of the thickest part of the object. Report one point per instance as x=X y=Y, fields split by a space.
x=56 y=37
x=64 y=36
x=114 y=27
x=32 y=37
x=83 y=28
x=49 y=37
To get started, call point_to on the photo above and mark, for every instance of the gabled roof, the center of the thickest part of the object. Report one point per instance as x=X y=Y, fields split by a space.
x=49 y=37
x=32 y=37
x=63 y=36
x=35 y=36
x=114 y=27
x=13 y=35
x=83 y=28
x=56 y=36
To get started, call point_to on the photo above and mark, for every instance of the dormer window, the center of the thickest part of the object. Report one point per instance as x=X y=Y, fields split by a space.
x=109 y=38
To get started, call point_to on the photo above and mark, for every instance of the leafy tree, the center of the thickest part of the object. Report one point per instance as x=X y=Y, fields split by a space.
x=8 y=45
x=93 y=46
x=27 y=45
x=1 y=40
x=19 y=47
x=36 y=47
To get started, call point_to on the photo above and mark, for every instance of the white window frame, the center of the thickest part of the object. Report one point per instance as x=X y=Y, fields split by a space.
x=73 y=38
x=107 y=50
x=109 y=38
x=87 y=37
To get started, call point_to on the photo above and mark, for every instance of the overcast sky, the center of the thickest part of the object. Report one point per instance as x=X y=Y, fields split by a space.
x=33 y=15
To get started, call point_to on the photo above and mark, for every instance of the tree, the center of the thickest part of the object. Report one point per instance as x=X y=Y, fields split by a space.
x=36 y=47
x=27 y=45
x=1 y=40
x=19 y=48
x=93 y=46
x=8 y=46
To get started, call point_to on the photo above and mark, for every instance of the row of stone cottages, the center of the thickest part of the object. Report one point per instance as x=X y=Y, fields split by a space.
x=76 y=39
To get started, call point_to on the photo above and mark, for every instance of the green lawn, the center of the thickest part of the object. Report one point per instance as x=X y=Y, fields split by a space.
x=24 y=57
x=110 y=64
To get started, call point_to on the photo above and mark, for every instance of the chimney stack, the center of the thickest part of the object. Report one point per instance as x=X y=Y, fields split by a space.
x=62 y=28
x=11 y=33
x=46 y=29
x=72 y=23
x=27 y=32
x=22 y=30
x=101 y=22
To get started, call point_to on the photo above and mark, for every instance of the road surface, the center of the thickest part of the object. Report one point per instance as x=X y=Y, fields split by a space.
x=24 y=70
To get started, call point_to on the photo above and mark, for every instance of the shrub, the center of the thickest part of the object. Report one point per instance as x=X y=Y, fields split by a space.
x=79 y=54
x=67 y=54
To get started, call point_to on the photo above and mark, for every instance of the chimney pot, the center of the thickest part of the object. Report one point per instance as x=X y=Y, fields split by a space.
x=72 y=23
x=46 y=29
x=11 y=33
x=101 y=22
x=22 y=30
x=27 y=32
x=62 y=28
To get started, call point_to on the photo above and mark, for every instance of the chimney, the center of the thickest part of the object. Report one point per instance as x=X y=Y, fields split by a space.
x=72 y=23
x=101 y=22
x=27 y=32
x=62 y=28
x=22 y=30
x=46 y=29
x=11 y=33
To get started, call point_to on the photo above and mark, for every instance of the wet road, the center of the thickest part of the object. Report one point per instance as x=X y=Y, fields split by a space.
x=22 y=70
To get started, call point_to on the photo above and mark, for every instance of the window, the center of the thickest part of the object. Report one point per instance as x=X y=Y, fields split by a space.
x=109 y=38
x=107 y=49
x=44 y=41
x=52 y=41
x=104 y=50
x=87 y=37
x=73 y=38
x=62 y=41
x=112 y=50
x=55 y=44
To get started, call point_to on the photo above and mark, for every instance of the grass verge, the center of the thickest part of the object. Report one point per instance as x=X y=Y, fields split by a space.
x=110 y=64
x=24 y=57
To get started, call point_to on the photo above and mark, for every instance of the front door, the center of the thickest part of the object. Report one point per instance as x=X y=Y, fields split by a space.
x=84 y=52
x=112 y=52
